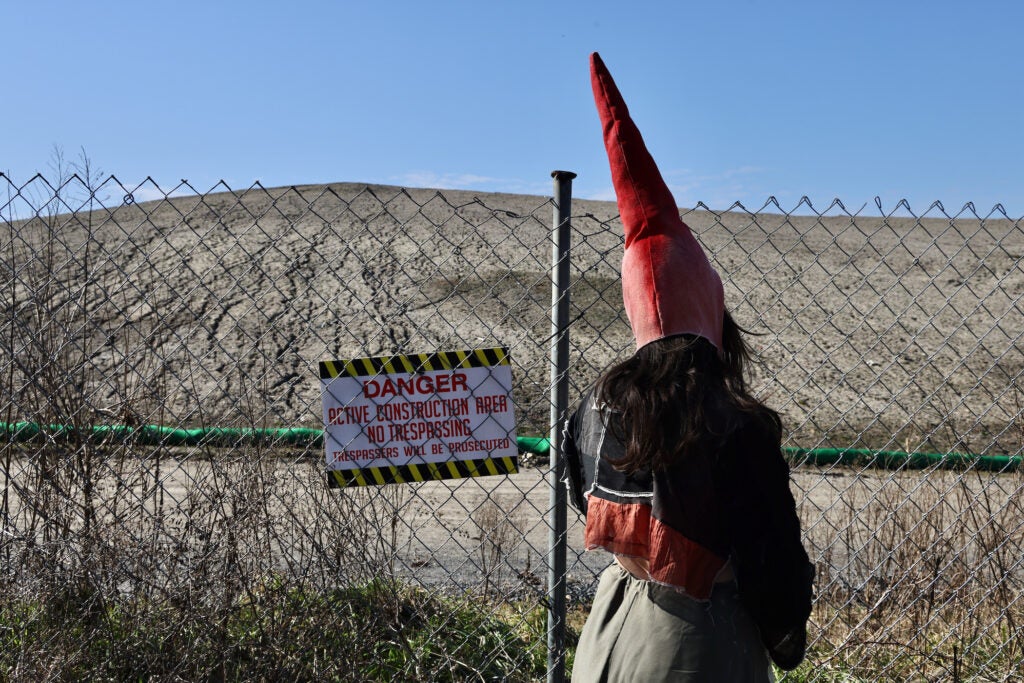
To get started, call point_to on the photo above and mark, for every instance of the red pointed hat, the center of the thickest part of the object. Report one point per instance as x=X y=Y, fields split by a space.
x=668 y=284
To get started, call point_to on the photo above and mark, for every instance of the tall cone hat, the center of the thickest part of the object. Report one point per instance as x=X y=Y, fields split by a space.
x=668 y=285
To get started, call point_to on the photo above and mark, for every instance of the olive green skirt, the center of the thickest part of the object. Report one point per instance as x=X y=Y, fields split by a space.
x=642 y=632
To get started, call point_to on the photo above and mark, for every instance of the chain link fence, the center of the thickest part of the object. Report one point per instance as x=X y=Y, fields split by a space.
x=165 y=514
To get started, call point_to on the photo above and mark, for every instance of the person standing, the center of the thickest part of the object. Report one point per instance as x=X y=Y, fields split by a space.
x=677 y=467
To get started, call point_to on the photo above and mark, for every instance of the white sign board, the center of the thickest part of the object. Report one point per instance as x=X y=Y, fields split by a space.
x=414 y=417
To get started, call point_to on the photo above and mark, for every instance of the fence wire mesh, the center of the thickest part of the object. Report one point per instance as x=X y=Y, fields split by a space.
x=891 y=344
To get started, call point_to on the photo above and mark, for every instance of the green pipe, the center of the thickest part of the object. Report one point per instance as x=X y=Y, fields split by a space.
x=303 y=437
x=537 y=445
x=891 y=460
x=221 y=437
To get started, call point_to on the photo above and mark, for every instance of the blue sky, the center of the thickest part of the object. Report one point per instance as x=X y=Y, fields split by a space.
x=738 y=100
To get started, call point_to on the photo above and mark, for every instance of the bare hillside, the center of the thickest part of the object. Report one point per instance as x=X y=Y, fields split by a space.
x=215 y=310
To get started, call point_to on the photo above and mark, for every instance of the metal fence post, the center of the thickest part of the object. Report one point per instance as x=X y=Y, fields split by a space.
x=560 y=237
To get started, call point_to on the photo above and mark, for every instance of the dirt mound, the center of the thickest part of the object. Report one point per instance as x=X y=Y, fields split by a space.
x=216 y=309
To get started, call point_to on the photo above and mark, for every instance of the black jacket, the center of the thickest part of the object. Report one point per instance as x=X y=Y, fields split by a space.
x=733 y=503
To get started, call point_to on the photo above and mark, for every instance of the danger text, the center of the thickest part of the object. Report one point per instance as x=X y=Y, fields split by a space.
x=410 y=386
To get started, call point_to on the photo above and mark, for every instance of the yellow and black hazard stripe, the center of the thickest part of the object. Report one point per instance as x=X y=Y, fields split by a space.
x=433 y=471
x=413 y=363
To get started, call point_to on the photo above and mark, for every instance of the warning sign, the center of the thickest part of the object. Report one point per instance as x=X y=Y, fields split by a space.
x=394 y=419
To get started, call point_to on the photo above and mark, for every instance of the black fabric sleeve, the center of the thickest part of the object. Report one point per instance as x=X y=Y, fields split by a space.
x=573 y=461
x=773 y=572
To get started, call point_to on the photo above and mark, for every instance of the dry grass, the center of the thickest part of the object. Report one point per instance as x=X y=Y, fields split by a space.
x=920 y=577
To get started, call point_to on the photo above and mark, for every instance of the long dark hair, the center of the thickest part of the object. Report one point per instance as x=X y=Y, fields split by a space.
x=679 y=394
